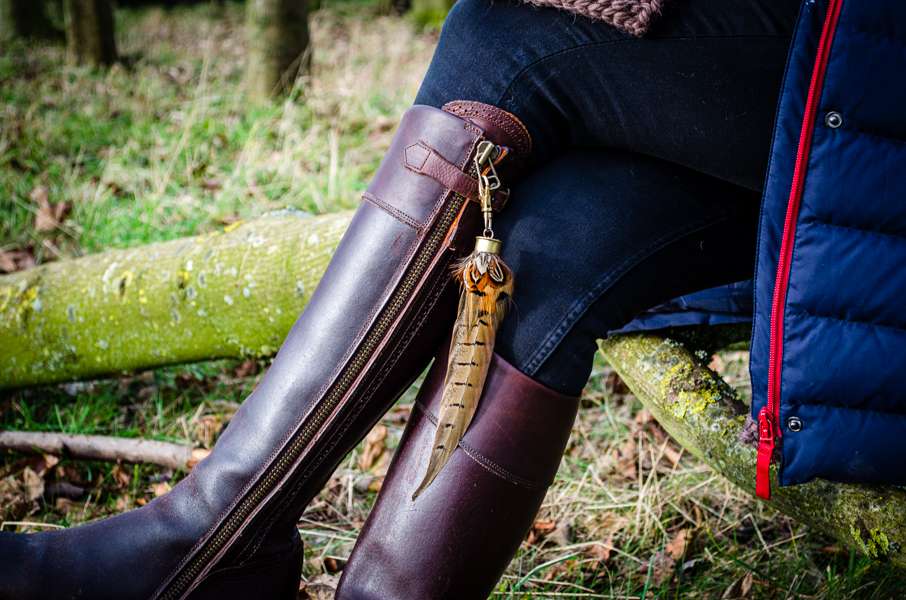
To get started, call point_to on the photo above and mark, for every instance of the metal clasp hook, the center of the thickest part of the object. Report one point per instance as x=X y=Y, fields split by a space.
x=488 y=181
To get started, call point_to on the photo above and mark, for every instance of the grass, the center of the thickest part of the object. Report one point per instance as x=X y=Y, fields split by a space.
x=167 y=146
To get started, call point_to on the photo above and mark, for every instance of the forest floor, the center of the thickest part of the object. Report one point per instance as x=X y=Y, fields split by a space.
x=166 y=146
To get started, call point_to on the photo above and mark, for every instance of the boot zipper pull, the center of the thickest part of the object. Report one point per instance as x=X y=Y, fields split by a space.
x=765 y=454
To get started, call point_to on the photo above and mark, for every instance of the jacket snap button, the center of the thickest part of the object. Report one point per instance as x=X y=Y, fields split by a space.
x=833 y=119
x=794 y=424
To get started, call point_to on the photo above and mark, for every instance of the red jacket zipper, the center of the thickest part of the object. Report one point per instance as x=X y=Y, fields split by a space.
x=769 y=418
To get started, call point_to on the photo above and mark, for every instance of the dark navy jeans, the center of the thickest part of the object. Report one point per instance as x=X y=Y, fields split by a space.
x=649 y=157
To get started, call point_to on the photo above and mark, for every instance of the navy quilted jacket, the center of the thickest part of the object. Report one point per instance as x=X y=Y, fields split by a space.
x=828 y=360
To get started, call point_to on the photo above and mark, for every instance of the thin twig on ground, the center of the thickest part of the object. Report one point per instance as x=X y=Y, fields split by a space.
x=102 y=447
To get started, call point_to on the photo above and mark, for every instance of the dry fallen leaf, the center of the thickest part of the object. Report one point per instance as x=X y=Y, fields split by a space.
x=544 y=527
x=626 y=459
x=676 y=547
x=16 y=260
x=160 y=488
x=562 y=535
x=40 y=195
x=49 y=215
x=63 y=504
x=643 y=416
x=247 y=368
x=375 y=445
x=34 y=484
x=121 y=476
x=399 y=414
x=540 y=529
x=50 y=461
x=559 y=571
x=7 y=263
x=614 y=385
x=198 y=455
x=321 y=587
x=206 y=428
x=741 y=589
x=717 y=363
x=672 y=454
x=661 y=565
x=70 y=473
x=601 y=551
x=745 y=586
x=13 y=504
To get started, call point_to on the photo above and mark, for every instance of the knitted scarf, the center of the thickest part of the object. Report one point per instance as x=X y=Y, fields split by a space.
x=631 y=16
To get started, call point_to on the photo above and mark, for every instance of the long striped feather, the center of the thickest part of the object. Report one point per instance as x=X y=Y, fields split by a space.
x=487 y=286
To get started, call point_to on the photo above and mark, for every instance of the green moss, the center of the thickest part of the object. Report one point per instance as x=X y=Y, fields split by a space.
x=685 y=397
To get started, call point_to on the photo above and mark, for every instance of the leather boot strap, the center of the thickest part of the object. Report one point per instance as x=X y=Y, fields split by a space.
x=424 y=160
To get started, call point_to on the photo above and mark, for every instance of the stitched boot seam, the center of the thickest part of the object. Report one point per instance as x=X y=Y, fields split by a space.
x=487 y=463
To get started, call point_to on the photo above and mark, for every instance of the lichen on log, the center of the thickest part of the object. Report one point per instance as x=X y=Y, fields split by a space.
x=705 y=416
x=227 y=294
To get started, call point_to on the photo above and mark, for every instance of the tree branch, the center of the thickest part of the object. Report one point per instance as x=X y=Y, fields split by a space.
x=102 y=447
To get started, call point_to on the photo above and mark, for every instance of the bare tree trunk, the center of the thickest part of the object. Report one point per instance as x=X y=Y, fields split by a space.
x=89 y=32
x=278 y=41
x=25 y=19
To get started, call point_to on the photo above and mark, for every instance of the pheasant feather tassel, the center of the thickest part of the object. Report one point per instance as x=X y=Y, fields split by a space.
x=487 y=286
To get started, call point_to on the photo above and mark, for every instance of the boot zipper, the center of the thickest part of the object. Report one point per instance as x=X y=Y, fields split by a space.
x=279 y=468
x=769 y=418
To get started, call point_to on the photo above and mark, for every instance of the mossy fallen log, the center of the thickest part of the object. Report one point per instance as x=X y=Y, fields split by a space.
x=231 y=293
x=704 y=415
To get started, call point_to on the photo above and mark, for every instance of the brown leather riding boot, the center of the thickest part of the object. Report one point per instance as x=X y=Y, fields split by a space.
x=228 y=530
x=456 y=539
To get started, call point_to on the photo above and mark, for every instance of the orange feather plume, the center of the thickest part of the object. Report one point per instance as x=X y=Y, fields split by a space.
x=487 y=286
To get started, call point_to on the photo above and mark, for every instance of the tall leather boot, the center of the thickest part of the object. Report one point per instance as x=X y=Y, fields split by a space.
x=228 y=529
x=456 y=539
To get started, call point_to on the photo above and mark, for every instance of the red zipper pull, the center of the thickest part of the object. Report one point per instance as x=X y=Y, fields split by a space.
x=765 y=454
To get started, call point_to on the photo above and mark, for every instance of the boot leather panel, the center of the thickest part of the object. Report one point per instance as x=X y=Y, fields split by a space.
x=521 y=409
x=373 y=256
x=451 y=137
x=361 y=412
x=457 y=538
